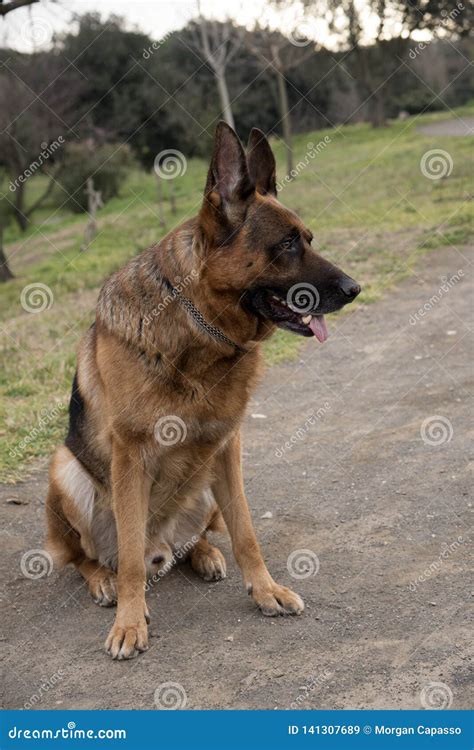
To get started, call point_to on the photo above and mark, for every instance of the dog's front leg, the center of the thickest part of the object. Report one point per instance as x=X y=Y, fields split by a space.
x=130 y=497
x=228 y=489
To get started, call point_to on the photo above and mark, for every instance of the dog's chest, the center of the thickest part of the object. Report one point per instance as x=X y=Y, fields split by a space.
x=193 y=427
x=208 y=407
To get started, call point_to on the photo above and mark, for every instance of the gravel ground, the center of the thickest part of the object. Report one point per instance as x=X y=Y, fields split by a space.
x=372 y=491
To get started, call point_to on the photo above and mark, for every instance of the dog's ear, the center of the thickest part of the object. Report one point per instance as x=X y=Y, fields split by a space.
x=228 y=175
x=261 y=163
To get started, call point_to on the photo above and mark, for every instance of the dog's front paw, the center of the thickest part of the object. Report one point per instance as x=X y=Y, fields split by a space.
x=276 y=600
x=127 y=641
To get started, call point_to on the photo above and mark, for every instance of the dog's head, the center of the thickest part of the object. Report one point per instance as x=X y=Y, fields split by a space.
x=258 y=249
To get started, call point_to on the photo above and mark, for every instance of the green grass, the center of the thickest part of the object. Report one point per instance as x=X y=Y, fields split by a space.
x=363 y=195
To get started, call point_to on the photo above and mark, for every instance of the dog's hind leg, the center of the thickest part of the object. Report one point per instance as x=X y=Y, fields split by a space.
x=68 y=510
x=206 y=560
x=101 y=581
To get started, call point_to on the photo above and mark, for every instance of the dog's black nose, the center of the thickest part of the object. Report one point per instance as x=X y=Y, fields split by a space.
x=349 y=287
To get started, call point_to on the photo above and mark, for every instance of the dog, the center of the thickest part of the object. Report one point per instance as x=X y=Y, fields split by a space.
x=152 y=459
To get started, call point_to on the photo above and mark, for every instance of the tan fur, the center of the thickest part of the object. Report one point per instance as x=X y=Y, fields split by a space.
x=124 y=501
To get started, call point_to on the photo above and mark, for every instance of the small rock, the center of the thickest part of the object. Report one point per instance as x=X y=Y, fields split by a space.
x=268 y=514
x=230 y=638
x=433 y=604
x=15 y=501
x=249 y=679
x=451 y=333
x=258 y=416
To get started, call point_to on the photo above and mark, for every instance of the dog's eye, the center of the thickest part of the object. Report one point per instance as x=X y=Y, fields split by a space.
x=287 y=244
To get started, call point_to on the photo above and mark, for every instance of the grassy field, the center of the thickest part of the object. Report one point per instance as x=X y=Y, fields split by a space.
x=363 y=195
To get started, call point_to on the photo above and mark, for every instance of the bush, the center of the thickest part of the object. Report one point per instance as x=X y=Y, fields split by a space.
x=416 y=101
x=107 y=165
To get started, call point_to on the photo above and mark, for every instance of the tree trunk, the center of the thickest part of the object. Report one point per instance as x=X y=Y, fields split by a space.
x=19 y=207
x=368 y=90
x=159 y=192
x=5 y=273
x=285 y=119
x=377 y=110
x=172 y=197
x=43 y=196
x=224 y=96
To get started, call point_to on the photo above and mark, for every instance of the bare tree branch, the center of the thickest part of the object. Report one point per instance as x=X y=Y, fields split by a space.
x=218 y=42
x=14 y=5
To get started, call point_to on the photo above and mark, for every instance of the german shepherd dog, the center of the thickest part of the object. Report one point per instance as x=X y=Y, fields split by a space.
x=152 y=459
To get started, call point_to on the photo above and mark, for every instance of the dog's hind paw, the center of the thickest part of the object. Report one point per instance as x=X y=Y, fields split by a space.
x=208 y=561
x=103 y=587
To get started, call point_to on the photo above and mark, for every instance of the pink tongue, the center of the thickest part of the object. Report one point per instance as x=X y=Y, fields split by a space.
x=318 y=327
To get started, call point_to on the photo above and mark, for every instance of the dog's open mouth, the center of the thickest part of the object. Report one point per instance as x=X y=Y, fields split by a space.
x=272 y=306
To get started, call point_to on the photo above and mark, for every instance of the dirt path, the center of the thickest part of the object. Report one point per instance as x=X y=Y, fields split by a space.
x=460 y=126
x=385 y=512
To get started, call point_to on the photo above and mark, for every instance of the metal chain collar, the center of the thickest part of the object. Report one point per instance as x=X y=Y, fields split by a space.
x=199 y=318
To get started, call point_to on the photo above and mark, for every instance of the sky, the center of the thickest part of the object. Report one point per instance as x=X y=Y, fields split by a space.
x=32 y=28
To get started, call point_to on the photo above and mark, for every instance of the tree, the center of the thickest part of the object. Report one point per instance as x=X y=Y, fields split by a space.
x=443 y=18
x=218 y=43
x=377 y=56
x=9 y=5
x=5 y=215
x=34 y=124
x=107 y=164
x=128 y=77
x=277 y=52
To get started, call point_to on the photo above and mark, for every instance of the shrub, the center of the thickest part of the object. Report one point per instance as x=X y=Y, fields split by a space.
x=106 y=164
x=416 y=101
